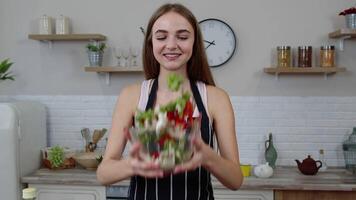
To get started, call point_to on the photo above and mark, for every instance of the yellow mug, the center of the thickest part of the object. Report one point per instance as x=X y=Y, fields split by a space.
x=246 y=170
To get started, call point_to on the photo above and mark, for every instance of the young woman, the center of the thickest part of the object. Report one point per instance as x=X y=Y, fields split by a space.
x=174 y=44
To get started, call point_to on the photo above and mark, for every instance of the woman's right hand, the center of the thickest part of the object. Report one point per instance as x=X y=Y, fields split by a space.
x=139 y=166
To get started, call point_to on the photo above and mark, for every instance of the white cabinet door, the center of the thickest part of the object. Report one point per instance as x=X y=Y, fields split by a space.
x=226 y=194
x=69 y=192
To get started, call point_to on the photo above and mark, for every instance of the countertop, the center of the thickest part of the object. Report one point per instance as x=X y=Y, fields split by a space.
x=284 y=178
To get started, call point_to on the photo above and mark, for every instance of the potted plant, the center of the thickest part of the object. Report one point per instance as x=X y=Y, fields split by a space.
x=4 y=70
x=95 y=53
x=350 y=17
x=58 y=157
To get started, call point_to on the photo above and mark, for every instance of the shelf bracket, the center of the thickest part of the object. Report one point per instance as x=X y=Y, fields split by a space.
x=341 y=42
x=107 y=74
x=325 y=76
x=276 y=76
x=50 y=45
x=107 y=77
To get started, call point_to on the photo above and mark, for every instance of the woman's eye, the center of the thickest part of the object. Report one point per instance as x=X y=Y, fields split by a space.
x=182 y=37
x=160 y=38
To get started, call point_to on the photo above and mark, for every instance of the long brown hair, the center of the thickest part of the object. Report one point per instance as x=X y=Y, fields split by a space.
x=197 y=66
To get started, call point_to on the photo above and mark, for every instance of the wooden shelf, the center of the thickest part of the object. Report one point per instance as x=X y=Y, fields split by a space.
x=67 y=37
x=114 y=69
x=299 y=70
x=304 y=70
x=343 y=34
x=350 y=33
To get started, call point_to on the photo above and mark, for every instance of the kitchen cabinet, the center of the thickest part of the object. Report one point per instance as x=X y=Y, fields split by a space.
x=311 y=195
x=60 y=192
x=225 y=194
x=342 y=35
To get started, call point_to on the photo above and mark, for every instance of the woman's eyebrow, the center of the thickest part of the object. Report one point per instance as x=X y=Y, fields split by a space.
x=161 y=31
x=183 y=31
x=179 y=31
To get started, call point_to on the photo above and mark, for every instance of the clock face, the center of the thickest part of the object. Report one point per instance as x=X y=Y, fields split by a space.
x=219 y=40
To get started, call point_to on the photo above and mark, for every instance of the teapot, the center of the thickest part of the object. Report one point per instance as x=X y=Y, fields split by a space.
x=263 y=171
x=309 y=166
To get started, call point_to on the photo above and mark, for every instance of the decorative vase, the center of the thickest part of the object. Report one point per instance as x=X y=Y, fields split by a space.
x=95 y=58
x=270 y=153
x=351 y=21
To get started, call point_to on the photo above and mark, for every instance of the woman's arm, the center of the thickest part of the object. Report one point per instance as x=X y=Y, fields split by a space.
x=226 y=166
x=113 y=167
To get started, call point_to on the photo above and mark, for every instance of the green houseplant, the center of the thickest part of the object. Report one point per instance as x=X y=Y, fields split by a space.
x=4 y=70
x=95 y=53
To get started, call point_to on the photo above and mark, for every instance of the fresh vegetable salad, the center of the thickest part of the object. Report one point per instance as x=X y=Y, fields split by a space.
x=166 y=132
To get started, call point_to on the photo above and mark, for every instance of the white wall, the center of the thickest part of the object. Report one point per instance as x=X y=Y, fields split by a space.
x=260 y=26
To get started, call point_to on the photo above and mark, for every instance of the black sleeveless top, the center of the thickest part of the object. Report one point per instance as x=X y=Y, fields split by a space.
x=190 y=185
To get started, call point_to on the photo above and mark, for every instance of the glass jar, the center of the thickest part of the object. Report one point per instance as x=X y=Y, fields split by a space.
x=305 y=56
x=283 y=56
x=45 y=25
x=327 y=56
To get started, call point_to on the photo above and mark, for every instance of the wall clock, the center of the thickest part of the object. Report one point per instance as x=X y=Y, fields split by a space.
x=219 y=40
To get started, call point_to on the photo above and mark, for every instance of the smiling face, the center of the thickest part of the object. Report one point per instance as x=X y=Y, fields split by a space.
x=172 y=41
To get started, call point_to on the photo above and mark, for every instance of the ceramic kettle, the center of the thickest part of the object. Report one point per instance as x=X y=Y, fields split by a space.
x=263 y=171
x=309 y=166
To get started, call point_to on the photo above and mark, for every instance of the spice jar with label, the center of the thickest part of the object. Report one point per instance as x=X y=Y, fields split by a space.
x=327 y=56
x=284 y=56
x=305 y=56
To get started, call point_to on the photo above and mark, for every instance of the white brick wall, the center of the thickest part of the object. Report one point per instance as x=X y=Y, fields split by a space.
x=300 y=125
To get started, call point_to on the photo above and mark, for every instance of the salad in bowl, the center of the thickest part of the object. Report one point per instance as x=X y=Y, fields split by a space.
x=166 y=132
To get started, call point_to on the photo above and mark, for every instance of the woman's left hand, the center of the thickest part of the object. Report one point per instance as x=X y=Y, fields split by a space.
x=198 y=158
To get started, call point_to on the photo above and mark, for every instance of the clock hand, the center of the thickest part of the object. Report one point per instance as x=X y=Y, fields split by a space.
x=210 y=43
x=207 y=41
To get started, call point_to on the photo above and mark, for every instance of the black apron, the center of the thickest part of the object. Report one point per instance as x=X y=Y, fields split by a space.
x=195 y=184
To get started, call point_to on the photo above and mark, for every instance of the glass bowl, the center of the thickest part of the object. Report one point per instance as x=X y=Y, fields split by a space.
x=169 y=147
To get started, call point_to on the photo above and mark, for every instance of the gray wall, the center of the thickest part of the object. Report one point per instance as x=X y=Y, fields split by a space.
x=260 y=26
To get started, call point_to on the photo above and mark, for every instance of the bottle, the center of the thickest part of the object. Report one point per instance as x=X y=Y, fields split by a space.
x=270 y=153
x=324 y=166
x=327 y=56
x=29 y=194
x=283 y=56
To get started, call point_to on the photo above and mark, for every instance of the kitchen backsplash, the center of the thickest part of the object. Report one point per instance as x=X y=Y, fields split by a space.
x=300 y=125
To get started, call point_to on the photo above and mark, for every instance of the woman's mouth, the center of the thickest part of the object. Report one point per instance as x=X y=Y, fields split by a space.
x=171 y=56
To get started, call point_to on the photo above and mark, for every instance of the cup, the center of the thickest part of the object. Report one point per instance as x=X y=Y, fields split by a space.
x=246 y=170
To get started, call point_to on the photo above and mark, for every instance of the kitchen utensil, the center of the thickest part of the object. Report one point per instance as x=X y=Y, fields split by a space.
x=86 y=135
x=309 y=166
x=98 y=134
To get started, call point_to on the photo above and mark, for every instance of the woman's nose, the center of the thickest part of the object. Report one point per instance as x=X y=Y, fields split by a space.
x=172 y=43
